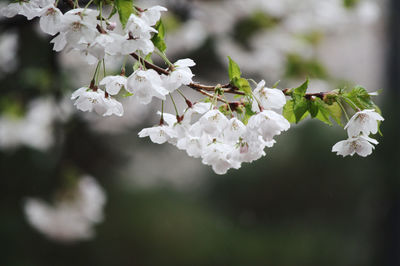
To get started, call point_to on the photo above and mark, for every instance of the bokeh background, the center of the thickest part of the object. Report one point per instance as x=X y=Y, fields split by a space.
x=299 y=205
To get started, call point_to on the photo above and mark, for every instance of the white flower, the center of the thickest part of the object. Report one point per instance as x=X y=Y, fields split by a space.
x=234 y=130
x=159 y=134
x=192 y=145
x=128 y=46
x=364 y=122
x=11 y=10
x=201 y=107
x=27 y=8
x=250 y=148
x=268 y=124
x=95 y=51
x=88 y=100
x=79 y=26
x=181 y=75
x=152 y=15
x=113 y=84
x=217 y=155
x=146 y=84
x=59 y=42
x=113 y=107
x=268 y=98
x=50 y=20
x=362 y=145
x=71 y=218
x=137 y=28
x=213 y=122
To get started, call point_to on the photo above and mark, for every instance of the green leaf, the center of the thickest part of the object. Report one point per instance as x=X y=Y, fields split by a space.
x=336 y=112
x=242 y=84
x=359 y=96
x=313 y=108
x=300 y=108
x=249 y=112
x=125 y=9
x=288 y=112
x=301 y=91
x=148 y=58
x=300 y=104
x=158 y=39
x=234 y=70
x=323 y=112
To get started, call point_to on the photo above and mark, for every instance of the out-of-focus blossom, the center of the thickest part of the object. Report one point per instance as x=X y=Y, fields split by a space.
x=73 y=216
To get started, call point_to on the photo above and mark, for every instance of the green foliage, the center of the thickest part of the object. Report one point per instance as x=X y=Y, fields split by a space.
x=300 y=107
x=327 y=112
x=358 y=98
x=249 y=112
x=300 y=104
x=235 y=78
x=234 y=70
x=288 y=112
x=125 y=9
x=158 y=39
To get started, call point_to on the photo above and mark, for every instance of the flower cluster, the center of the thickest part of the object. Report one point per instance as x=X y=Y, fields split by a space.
x=220 y=141
x=223 y=133
x=81 y=29
x=359 y=127
x=73 y=216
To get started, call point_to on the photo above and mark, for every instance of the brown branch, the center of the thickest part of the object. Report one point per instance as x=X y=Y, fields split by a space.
x=227 y=88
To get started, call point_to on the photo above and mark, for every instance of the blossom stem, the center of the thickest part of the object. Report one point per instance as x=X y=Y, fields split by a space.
x=352 y=104
x=95 y=72
x=173 y=102
x=100 y=13
x=344 y=110
x=162 y=113
x=104 y=67
x=88 y=4
x=164 y=57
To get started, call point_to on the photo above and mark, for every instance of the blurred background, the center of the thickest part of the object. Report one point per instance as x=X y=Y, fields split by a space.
x=299 y=205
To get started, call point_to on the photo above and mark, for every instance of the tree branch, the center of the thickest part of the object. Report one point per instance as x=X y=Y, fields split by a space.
x=227 y=88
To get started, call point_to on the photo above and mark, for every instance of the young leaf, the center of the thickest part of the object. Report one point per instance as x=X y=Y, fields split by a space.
x=125 y=9
x=234 y=70
x=288 y=112
x=158 y=39
x=242 y=84
x=300 y=104
x=323 y=113
x=300 y=108
x=249 y=112
x=360 y=97
x=313 y=108
x=301 y=91
x=336 y=112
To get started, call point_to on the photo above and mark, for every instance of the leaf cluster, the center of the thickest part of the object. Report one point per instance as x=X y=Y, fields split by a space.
x=300 y=107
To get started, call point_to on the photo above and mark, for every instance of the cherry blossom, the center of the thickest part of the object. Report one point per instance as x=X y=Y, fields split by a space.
x=362 y=145
x=268 y=98
x=365 y=122
x=146 y=84
x=70 y=218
